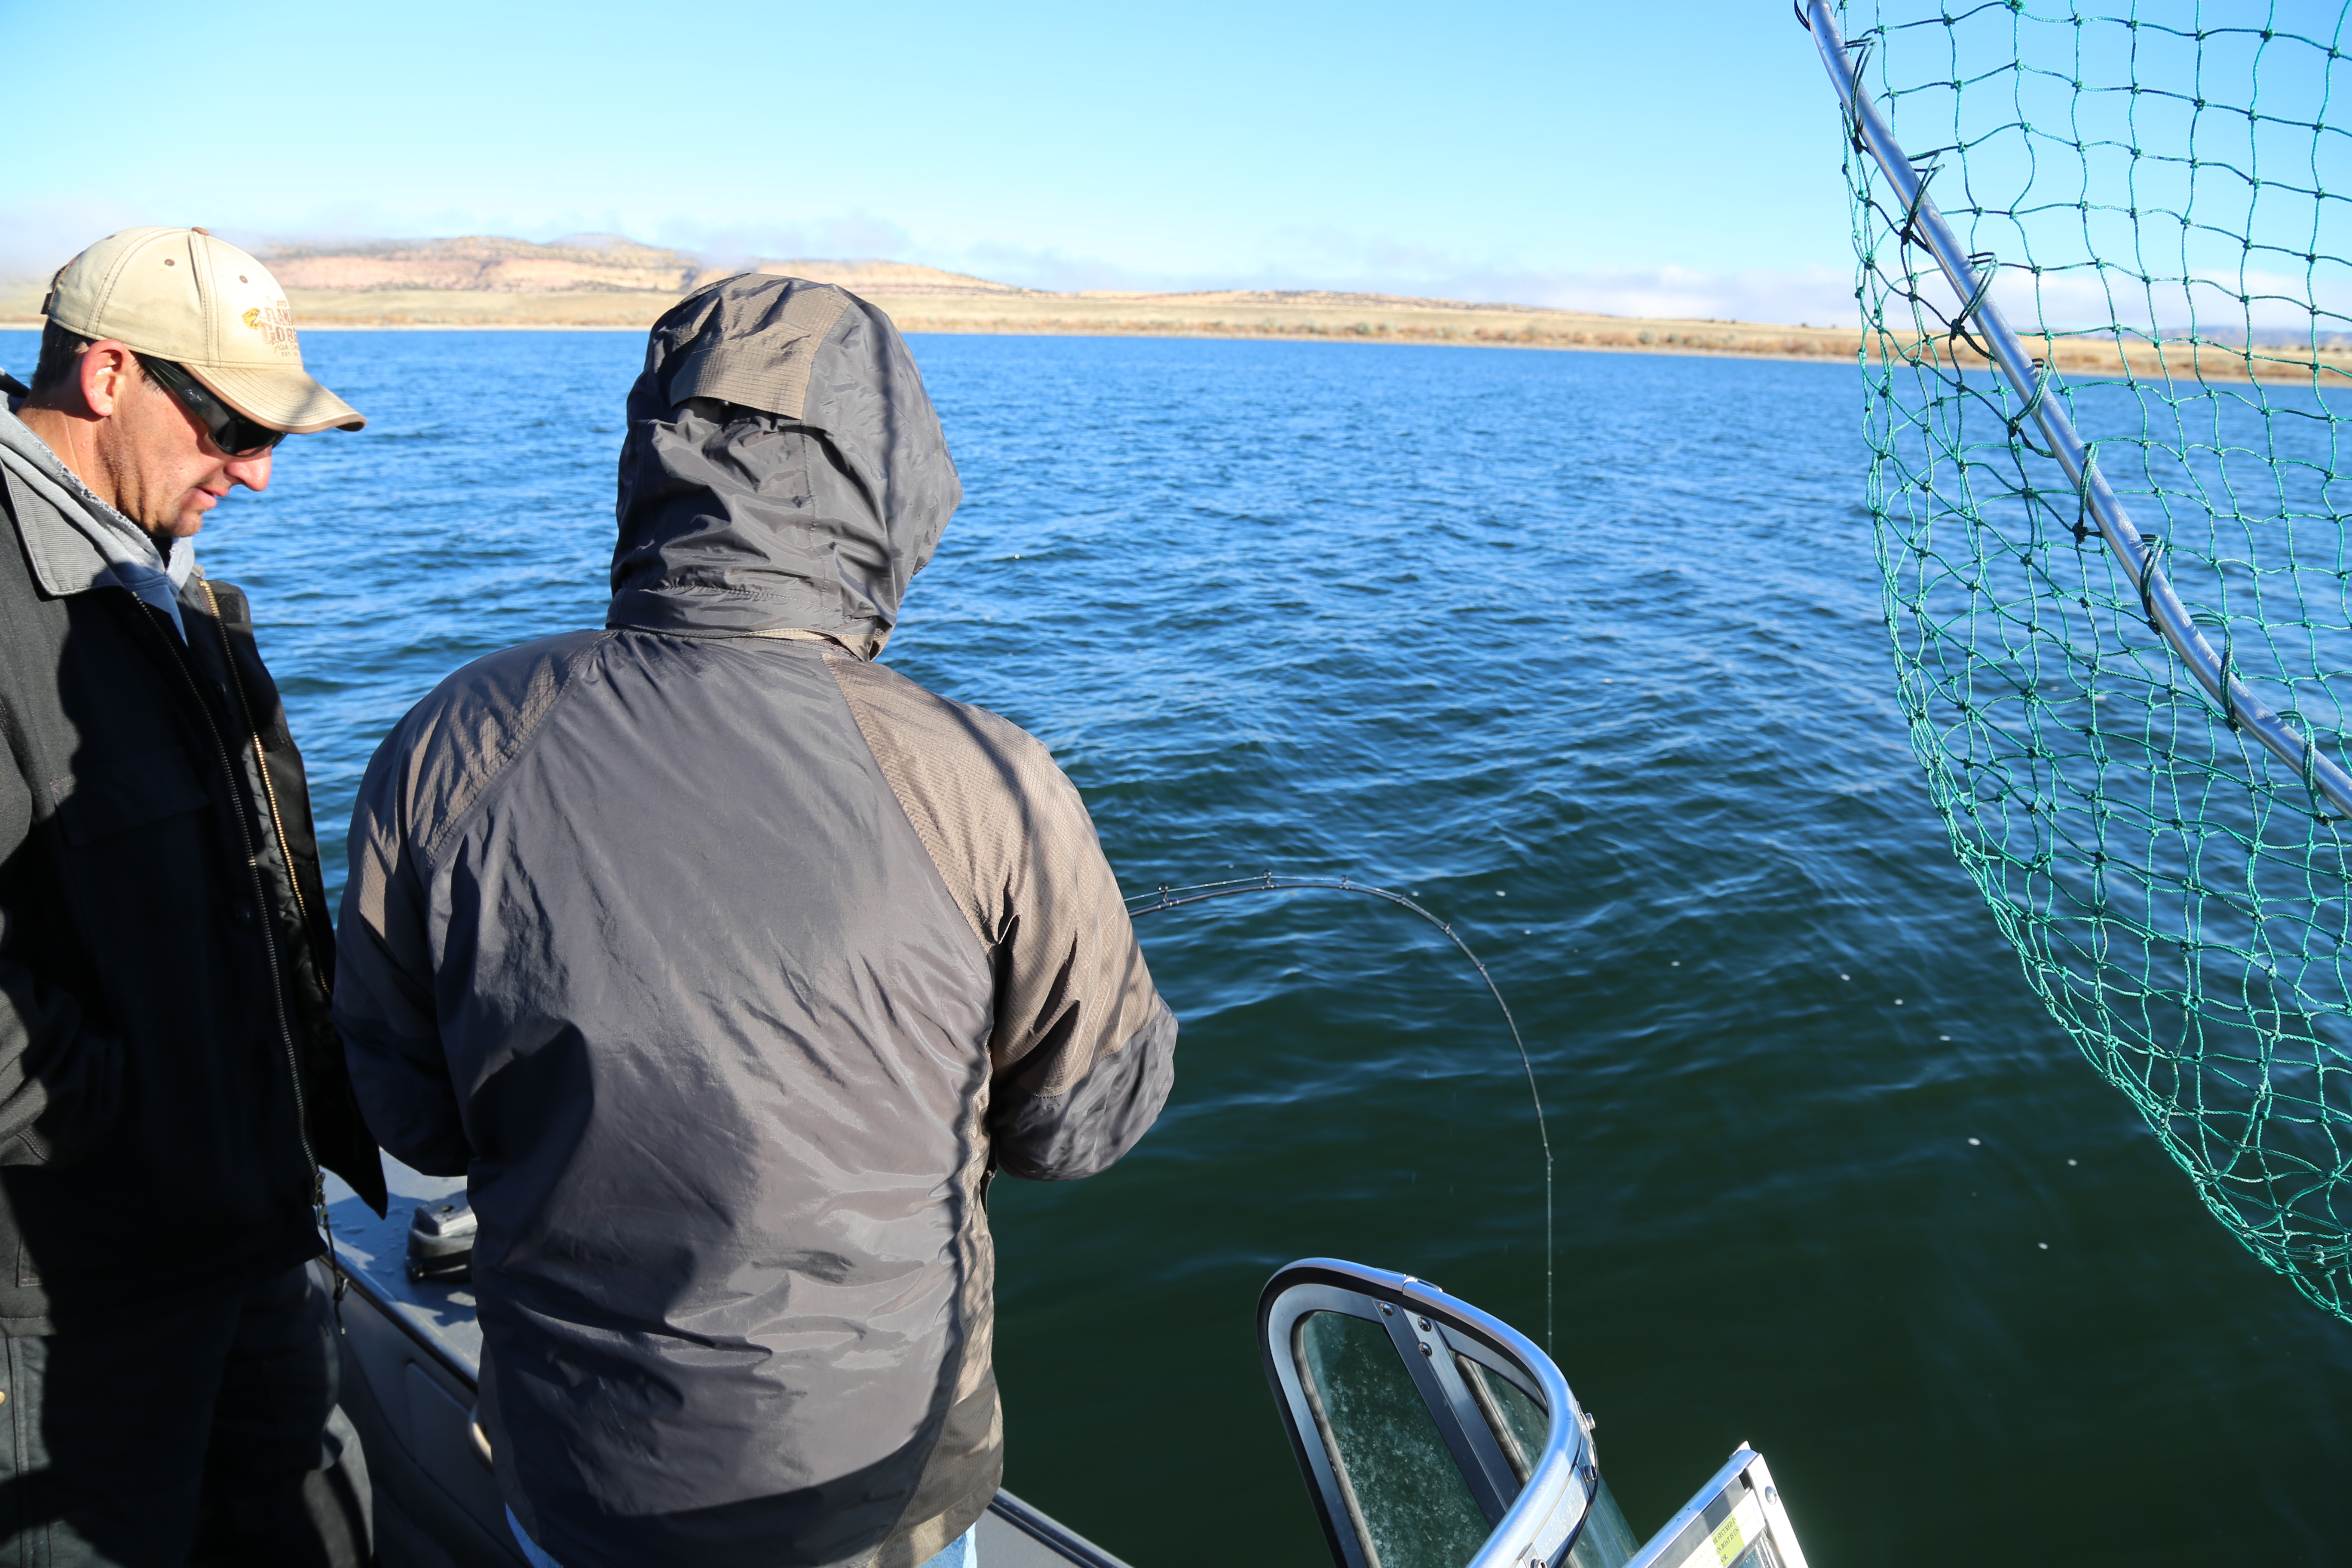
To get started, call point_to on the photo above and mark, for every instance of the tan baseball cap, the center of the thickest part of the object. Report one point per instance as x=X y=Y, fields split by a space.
x=182 y=295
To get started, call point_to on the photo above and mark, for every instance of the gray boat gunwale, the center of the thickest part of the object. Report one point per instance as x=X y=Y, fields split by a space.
x=1014 y=1533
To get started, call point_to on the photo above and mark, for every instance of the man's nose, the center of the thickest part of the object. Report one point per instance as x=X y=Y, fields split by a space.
x=253 y=473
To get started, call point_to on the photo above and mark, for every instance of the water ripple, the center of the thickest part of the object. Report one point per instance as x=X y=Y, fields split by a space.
x=1585 y=650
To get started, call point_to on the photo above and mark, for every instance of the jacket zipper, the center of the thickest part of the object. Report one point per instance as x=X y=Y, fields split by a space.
x=260 y=903
x=261 y=767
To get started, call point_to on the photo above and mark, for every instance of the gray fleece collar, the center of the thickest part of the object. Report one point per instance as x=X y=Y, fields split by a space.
x=75 y=540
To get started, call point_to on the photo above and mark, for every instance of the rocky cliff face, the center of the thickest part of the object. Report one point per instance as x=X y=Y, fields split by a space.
x=484 y=264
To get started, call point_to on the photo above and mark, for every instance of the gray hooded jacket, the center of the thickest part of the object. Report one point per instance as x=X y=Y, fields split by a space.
x=726 y=963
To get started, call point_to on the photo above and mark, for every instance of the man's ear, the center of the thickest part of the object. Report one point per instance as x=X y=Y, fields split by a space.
x=104 y=372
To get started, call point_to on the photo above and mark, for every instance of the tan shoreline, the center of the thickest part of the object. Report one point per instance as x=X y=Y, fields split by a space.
x=939 y=302
x=966 y=329
x=1318 y=317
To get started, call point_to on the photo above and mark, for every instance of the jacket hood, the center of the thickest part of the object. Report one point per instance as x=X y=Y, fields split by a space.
x=783 y=469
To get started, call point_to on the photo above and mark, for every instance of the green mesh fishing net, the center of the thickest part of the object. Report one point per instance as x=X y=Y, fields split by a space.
x=2151 y=194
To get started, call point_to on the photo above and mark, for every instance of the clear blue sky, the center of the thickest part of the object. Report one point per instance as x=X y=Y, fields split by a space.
x=1572 y=152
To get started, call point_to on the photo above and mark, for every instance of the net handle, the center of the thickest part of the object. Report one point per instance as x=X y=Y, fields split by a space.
x=2167 y=614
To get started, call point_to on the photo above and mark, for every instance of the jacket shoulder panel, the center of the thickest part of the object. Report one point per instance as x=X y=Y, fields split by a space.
x=1018 y=852
x=977 y=787
x=455 y=743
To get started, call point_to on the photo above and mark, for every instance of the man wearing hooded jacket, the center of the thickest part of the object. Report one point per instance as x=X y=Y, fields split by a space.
x=170 y=1079
x=727 y=965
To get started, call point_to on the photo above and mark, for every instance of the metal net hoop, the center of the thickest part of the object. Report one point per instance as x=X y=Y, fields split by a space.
x=2142 y=191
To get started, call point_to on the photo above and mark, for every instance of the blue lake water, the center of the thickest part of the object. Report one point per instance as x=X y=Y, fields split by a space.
x=1585 y=649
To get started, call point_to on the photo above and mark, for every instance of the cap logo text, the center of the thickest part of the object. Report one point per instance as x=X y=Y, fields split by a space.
x=275 y=322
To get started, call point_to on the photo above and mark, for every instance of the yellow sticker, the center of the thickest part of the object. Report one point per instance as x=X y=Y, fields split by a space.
x=1741 y=1531
x=1741 y=1528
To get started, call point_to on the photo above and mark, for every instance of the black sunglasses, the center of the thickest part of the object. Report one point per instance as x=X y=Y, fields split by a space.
x=232 y=432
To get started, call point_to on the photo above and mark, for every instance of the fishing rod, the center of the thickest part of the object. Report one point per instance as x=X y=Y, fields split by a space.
x=1168 y=898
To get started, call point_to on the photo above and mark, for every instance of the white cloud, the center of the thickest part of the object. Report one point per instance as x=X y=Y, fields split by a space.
x=39 y=237
x=848 y=237
x=1820 y=296
x=2216 y=303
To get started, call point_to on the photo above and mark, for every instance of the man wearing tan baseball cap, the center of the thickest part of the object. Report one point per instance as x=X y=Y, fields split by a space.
x=183 y=296
x=171 y=1081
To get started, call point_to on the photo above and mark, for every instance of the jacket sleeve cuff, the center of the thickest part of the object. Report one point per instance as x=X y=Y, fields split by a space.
x=1086 y=1127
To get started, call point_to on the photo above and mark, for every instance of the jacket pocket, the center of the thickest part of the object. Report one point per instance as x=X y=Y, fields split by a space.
x=106 y=798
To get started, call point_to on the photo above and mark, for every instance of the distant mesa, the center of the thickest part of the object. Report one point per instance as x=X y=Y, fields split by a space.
x=482 y=264
x=591 y=263
x=602 y=281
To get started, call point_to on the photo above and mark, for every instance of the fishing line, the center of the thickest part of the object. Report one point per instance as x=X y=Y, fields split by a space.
x=1167 y=898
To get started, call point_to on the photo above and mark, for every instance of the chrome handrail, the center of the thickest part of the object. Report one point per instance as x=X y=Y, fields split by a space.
x=1544 y=1519
x=2170 y=615
x=1541 y=1522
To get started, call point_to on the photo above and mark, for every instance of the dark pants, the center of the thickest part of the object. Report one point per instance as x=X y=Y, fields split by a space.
x=206 y=1437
